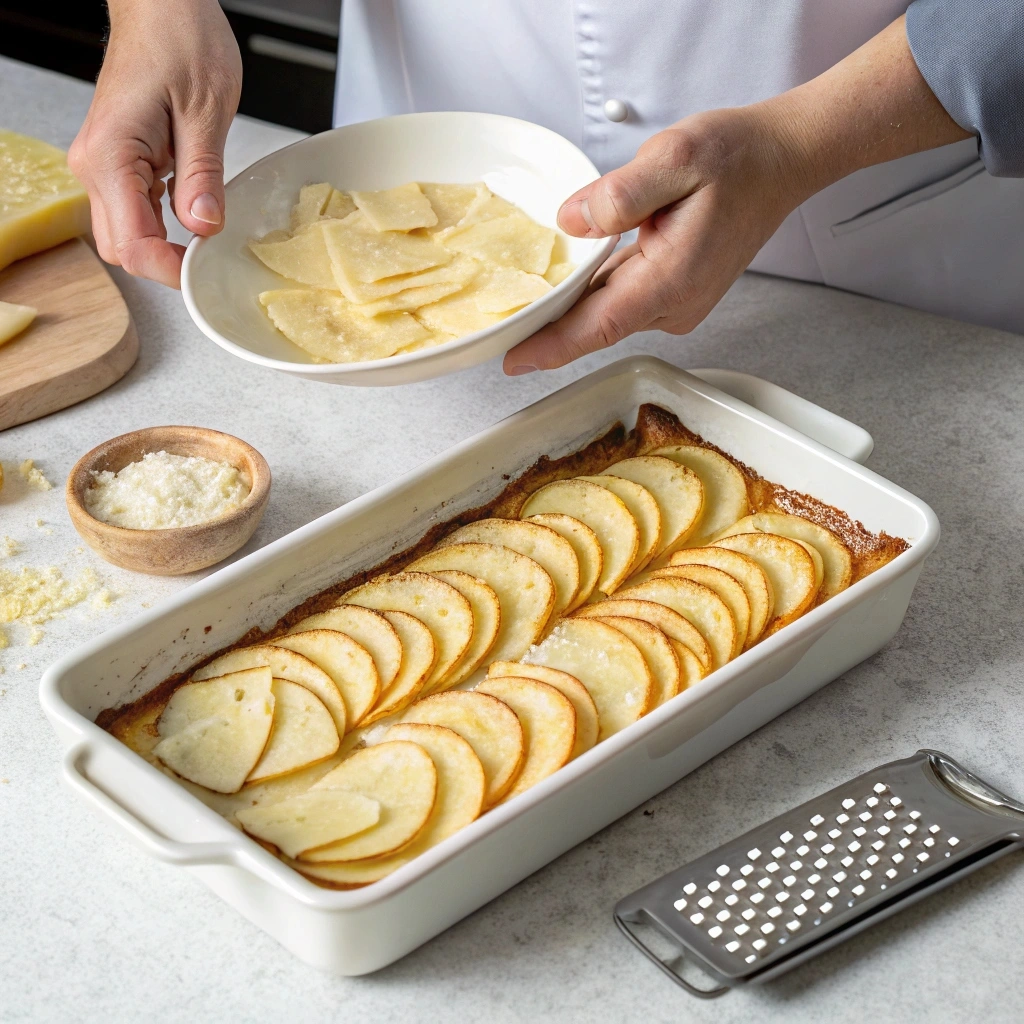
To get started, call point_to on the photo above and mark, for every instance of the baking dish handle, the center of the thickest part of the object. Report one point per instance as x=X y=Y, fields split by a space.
x=170 y=851
x=823 y=426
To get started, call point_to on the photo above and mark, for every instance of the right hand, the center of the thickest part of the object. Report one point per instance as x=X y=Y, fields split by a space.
x=164 y=100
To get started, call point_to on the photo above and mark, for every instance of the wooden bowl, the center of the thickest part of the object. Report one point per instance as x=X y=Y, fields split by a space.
x=186 y=548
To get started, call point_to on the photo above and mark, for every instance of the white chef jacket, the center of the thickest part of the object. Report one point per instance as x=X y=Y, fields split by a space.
x=932 y=230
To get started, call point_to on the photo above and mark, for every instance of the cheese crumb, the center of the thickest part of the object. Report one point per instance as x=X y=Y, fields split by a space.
x=8 y=547
x=3 y=640
x=33 y=476
x=35 y=595
x=164 y=491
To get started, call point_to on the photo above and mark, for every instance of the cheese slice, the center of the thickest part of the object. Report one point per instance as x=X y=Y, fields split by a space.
x=397 y=209
x=360 y=252
x=41 y=202
x=14 y=319
x=312 y=200
x=510 y=241
x=302 y=258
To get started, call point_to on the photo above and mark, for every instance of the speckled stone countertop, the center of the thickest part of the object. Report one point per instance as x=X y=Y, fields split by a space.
x=93 y=930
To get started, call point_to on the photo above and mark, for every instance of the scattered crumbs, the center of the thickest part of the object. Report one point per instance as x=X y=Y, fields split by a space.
x=21 y=665
x=42 y=526
x=8 y=547
x=35 y=635
x=79 y=550
x=34 y=595
x=5 y=782
x=102 y=599
x=147 y=604
x=33 y=476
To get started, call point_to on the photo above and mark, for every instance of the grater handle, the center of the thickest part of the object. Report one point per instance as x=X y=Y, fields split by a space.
x=969 y=788
x=665 y=968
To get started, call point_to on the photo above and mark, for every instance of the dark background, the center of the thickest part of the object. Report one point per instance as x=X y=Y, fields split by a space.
x=288 y=50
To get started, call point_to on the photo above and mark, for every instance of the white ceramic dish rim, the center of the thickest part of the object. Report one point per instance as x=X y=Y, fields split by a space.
x=587 y=268
x=239 y=850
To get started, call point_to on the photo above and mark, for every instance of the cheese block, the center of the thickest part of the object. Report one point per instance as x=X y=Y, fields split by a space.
x=14 y=319
x=41 y=202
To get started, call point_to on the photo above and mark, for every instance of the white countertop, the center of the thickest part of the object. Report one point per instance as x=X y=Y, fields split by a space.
x=93 y=930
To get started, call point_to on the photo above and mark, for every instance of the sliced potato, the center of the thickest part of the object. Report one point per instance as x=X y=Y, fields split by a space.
x=524 y=590
x=486 y=724
x=551 y=551
x=746 y=572
x=658 y=652
x=584 y=542
x=214 y=732
x=703 y=607
x=302 y=258
x=284 y=664
x=725 y=489
x=677 y=490
x=606 y=662
x=308 y=820
x=670 y=622
x=549 y=725
x=588 y=725
x=605 y=513
x=438 y=605
x=402 y=778
x=486 y=622
x=460 y=789
x=642 y=507
x=358 y=252
x=419 y=655
x=788 y=566
x=349 y=664
x=819 y=564
x=369 y=629
x=690 y=669
x=725 y=586
x=402 y=208
x=303 y=733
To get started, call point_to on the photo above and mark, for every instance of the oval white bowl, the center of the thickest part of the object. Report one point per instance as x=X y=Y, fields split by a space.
x=529 y=165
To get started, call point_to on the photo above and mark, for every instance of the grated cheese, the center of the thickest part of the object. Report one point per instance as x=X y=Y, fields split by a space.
x=33 y=476
x=34 y=595
x=164 y=491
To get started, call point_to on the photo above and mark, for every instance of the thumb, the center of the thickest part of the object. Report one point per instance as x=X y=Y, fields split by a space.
x=199 y=174
x=661 y=173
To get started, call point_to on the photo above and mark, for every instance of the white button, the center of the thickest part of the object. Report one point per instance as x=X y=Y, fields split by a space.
x=616 y=110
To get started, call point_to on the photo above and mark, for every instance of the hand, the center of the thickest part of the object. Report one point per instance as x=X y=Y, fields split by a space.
x=164 y=100
x=708 y=192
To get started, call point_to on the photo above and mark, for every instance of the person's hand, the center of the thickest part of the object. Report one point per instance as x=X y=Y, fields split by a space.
x=708 y=192
x=164 y=100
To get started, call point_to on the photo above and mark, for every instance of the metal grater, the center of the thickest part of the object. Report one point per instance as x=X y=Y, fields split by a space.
x=805 y=881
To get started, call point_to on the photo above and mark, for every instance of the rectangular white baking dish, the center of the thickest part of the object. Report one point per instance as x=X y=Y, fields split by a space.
x=358 y=931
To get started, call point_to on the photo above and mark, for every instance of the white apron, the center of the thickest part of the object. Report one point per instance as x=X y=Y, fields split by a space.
x=933 y=230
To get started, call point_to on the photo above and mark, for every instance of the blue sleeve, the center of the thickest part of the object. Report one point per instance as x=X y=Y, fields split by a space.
x=971 y=54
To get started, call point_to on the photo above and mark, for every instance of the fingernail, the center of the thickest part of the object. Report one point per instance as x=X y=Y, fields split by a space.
x=206 y=208
x=585 y=213
x=518 y=371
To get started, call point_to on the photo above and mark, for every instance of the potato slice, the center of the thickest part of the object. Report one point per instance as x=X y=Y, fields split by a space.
x=490 y=727
x=605 y=513
x=438 y=605
x=819 y=564
x=587 y=722
x=308 y=820
x=551 y=551
x=339 y=206
x=725 y=586
x=313 y=199
x=213 y=732
x=402 y=208
x=302 y=258
x=358 y=251
x=642 y=507
x=284 y=664
x=303 y=733
x=329 y=327
x=725 y=489
x=606 y=662
x=788 y=566
x=549 y=726
x=658 y=652
x=457 y=315
x=703 y=607
x=584 y=543
x=690 y=669
x=524 y=590
x=486 y=622
x=677 y=490
x=345 y=661
x=460 y=788
x=504 y=289
x=457 y=273
x=749 y=575
x=449 y=202
x=369 y=629
x=510 y=241
x=671 y=623
x=420 y=654
x=402 y=778
x=558 y=272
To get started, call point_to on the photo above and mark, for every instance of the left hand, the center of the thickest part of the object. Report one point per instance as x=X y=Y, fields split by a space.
x=706 y=194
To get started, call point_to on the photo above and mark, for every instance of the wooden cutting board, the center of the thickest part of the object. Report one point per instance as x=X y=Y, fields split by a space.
x=82 y=341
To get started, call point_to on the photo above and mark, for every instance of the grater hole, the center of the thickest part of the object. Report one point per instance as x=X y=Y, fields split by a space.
x=807 y=895
x=795 y=865
x=828 y=848
x=817 y=820
x=835 y=833
x=714 y=886
x=877 y=844
x=680 y=904
x=759 y=944
x=880 y=787
x=864 y=815
x=858 y=890
x=774 y=911
x=846 y=862
x=883 y=830
x=897 y=858
x=714 y=932
x=704 y=902
x=821 y=863
x=786 y=837
x=747 y=869
x=872 y=801
x=742 y=929
x=750 y=959
x=833 y=892
x=756 y=897
x=842 y=818
x=922 y=856
x=952 y=840
x=813 y=879
x=696 y=918
x=771 y=868
x=731 y=900
x=789 y=880
x=825 y=907
x=933 y=829
x=689 y=889
x=930 y=841
x=766 y=929
x=800 y=909
x=848 y=803
x=810 y=836
x=895 y=801
x=859 y=831
x=738 y=885
x=781 y=897
x=802 y=851
x=748 y=914
x=723 y=915
x=753 y=854
x=865 y=874
x=731 y=947
x=873 y=859
x=904 y=843
x=722 y=870
x=889 y=815
x=891 y=873
x=854 y=846
x=793 y=925
x=778 y=852
x=910 y=829
x=915 y=815
x=839 y=876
